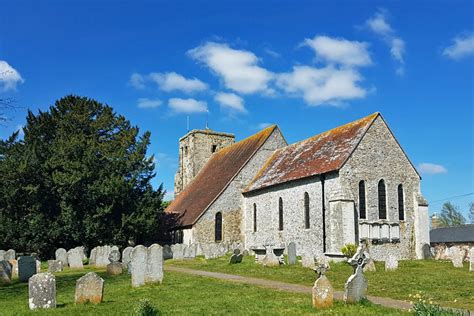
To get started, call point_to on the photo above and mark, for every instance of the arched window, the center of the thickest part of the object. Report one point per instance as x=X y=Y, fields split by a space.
x=306 y=210
x=401 y=205
x=382 y=200
x=280 y=214
x=254 y=217
x=362 y=212
x=218 y=228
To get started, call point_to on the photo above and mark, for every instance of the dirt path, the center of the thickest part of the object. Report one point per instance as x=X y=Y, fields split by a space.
x=387 y=302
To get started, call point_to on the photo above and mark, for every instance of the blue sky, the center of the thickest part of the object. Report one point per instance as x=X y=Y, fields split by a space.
x=306 y=66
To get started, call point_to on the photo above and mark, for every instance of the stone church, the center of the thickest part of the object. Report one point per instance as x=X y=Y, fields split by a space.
x=351 y=184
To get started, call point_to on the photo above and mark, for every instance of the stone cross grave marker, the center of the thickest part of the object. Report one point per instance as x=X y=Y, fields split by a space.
x=26 y=268
x=291 y=253
x=42 y=290
x=61 y=254
x=323 y=292
x=55 y=266
x=5 y=272
x=154 y=264
x=89 y=288
x=356 y=285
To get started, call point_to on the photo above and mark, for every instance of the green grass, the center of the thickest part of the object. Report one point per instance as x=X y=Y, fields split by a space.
x=180 y=294
x=438 y=280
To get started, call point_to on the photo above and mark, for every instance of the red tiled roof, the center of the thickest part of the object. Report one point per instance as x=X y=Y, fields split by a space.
x=214 y=177
x=319 y=154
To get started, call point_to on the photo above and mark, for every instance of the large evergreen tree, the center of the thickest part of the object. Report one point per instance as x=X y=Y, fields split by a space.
x=80 y=176
x=451 y=216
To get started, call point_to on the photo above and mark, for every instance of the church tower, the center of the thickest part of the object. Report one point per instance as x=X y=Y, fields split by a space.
x=195 y=149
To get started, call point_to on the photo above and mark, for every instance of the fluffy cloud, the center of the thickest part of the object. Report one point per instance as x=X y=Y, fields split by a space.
x=340 y=51
x=145 y=103
x=171 y=81
x=9 y=77
x=137 y=81
x=230 y=101
x=431 y=168
x=187 y=106
x=463 y=46
x=327 y=85
x=238 y=69
x=379 y=25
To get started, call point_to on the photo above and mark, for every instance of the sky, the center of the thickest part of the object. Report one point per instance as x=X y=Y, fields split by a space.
x=307 y=66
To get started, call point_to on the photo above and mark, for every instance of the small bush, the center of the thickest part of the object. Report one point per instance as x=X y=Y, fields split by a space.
x=426 y=307
x=349 y=250
x=145 y=308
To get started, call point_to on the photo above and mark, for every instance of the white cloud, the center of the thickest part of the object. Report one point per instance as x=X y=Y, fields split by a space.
x=145 y=103
x=171 y=81
x=238 y=69
x=272 y=53
x=326 y=85
x=340 y=51
x=187 y=105
x=463 y=47
x=9 y=77
x=137 y=81
x=431 y=168
x=230 y=101
x=379 y=25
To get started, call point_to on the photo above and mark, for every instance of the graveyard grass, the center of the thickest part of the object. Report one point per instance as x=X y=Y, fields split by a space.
x=435 y=279
x=179 y=294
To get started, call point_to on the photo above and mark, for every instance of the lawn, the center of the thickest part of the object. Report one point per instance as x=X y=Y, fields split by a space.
x=437 y=280
x=179 y=294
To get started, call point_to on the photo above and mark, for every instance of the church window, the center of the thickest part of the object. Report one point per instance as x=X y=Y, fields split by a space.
x=306 y=210
x=218 y=228
x=186 y=150
x=382 y=200
x=401 y=205
x=362 y=205
x=254 y=217
x=280 y=214
x=214 y=148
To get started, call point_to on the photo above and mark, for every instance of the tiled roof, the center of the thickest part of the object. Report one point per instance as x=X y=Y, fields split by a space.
x=214 y=177
x=319 y=154
x=464 y=233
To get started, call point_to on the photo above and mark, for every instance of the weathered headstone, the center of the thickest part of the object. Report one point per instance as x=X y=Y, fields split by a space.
x=38 y=266
x=114 y=256
x=236 y=257
x=178 y=251
x=190 y=251
x=391 y=263
x=167 y=253
x=323 y=292
x=61 y=254
x=102 y=256
x=291 y=253
x=14 y=264
x=356 y=285
x=55 y=266
x=26 y=268
x=139 y=266
x=2 y=255
x=114 y=268
x=42 y=290
x=93 y=256
x=126 y=256
x=10 y=254
x=471 y=260
x=370 y=266
x=74 y=258
x=154 y=264
x=5 y=272
x=89 y=288
x=270 y=259
x=457 y=255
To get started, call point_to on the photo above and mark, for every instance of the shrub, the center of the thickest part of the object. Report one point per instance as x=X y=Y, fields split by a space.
x=425 y=307
x=349 y=250
x=145 y=308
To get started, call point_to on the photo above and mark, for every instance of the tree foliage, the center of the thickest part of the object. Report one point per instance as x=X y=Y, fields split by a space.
x=451 y=216
x=80 y=176
x=471 y=212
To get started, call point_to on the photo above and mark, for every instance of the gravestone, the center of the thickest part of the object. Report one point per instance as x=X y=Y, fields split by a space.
x=42 y=290
x=89 y=289
x=14 y=264
x=356 y=285
x=190 y=251
x=5 y=272
x=126 y=256
x=471 y=260
x=114 y=267
x=38 y=266
x=10 y=254
x=323 y=292
x=55 y=266
x=270 y=260
x=61 y=254
x=167 y=253
x=178 y=251
x=457 y=255
x=391 y=263
x=74 y=258
x=154 y=264
x=102 y=256
x=370 y=266
x=426 y=251
x=26 y=268
x=236 y=257
x=291 y=253
x=93 y=256
x=139 y=265
x=114 y=256
x=2 y=255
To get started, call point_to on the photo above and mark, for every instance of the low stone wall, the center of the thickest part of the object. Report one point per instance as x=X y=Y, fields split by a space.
x=442 y=251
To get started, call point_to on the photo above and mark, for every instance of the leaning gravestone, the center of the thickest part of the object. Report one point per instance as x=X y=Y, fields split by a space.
x=236 y=257
x=55 y=266
x=391 y=263
x=26 y=268
x=154 y=264
x=291 y=253
x=356 y=286
x=471 y=260
x=89 y=289
x=5 y=272
x=10 y=254
x=74 y=258
x=126 y=256
x=457 y=255
x=323 y=292
x=114 y=267
x=42 y=291
x=139 y=254
x=61 y=254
